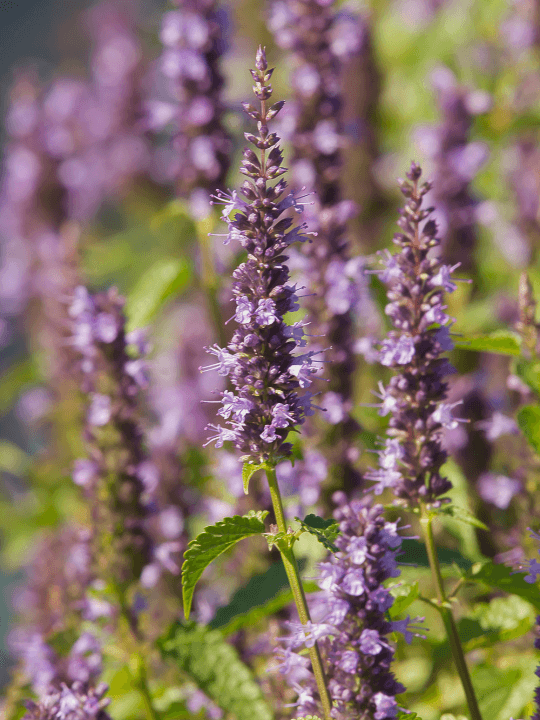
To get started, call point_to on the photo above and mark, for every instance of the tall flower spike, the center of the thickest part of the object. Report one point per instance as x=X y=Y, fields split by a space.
x=411 y=459
x=320 y=39
x=116 y=477
x=191 y=102
x=352 y=623
x=265 y=375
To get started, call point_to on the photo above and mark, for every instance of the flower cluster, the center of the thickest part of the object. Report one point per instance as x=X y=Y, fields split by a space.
x=74 y=702
x=266 y=376
x=117 y=466
x=352 y=625
x=456 y=161
x=412 y=457
x=320 y=39
x=189 y=101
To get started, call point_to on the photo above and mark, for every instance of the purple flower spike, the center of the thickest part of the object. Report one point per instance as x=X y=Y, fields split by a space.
x=187 y=102
x=415 y=397
x=351 y=624
x=265 y=404
x=74 y=702
x=322 y=40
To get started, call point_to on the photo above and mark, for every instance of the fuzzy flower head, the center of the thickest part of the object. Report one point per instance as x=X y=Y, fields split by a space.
x=415 y=397
x=265 y=403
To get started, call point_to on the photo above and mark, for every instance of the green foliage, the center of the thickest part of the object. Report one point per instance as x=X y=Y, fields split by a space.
x=500 y=342
x=206 y=657
x=160 y=283
x=404 y=715
x=501 y=577
x=462 y=515
x=326 y=531
x=529 y=372
x=404 y=595
x=249 y=469
x=528 y=419
x=414 y=553
x=211 y=543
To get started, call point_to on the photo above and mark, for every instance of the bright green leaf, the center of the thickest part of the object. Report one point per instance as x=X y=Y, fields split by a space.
x=158 y=284
x=504 y=578
x=326 y=531
x=211 y=543
x=500 y=342
x=462 y=515
x=217 y=670
x=529 y=372
x=403 y=715
x=404 y=594
x=249 y=469
x=528 y=419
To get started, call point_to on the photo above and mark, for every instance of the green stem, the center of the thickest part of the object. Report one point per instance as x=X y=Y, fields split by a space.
x=291 y=568
x=448 y=619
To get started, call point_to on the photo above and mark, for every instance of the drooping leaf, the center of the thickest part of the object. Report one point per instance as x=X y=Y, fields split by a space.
x=528 y=419
x=217 y=670
x=211 y=543
x=249 y=469
x=404 y=594
x=164 y=279
x=500 y=342
x=504 y=578
x=326 y=531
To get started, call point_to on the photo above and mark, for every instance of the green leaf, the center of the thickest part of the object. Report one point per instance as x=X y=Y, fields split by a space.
x=500 y=342
x=414 y=553
x=249 y=469
x=217 y=670
x=326 y=531
x=164 y=279
x=529 y=372
x=493 y=686
x=211 y=543
x=458 y=526
x=504 y=578
x=404 y=715
x=528 y=419
x=13 y=459
x=462 y=515
x=404 y=594
x=449 y=716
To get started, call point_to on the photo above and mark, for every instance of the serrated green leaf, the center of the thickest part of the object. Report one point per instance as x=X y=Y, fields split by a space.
x=462 y=515
x=326 y=531
x=528 y=419
x=529 y=372
x=211 y=543
x=216 y=668
x=504 y=578
x=404 y=594
x=500 y=342
x=164 y=279
x=249 y=469
x=404 y=715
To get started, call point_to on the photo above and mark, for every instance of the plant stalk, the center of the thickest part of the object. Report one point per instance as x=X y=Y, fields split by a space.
x=448 y=619
x=291 y=568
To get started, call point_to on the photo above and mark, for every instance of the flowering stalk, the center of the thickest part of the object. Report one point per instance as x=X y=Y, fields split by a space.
x=259 y=361
x=411 y=460
x=320 y=39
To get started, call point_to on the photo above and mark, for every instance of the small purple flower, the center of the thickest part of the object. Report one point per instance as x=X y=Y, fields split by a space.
x=397 y=351
x=85 y=472
x=498 y=490
x=244 y=310
x=265 y=314
x=99 y=412
x=370 y=642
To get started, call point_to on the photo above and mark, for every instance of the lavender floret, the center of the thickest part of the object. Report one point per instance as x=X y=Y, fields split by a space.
x=264 y=373
x=73 y=702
